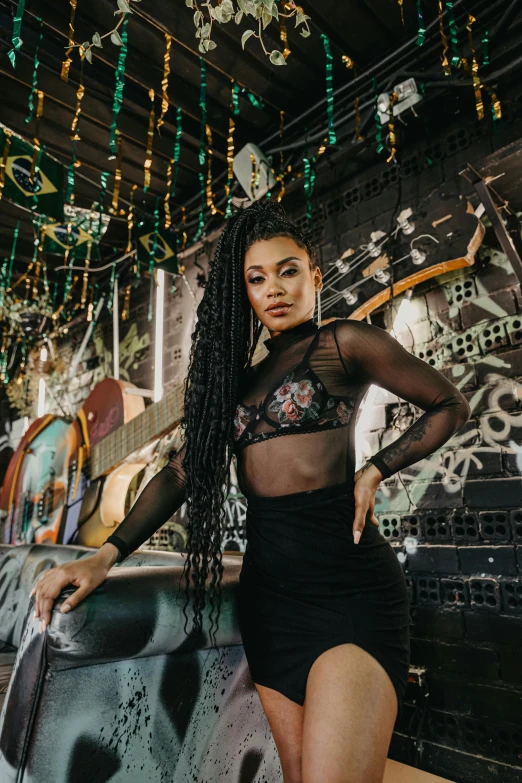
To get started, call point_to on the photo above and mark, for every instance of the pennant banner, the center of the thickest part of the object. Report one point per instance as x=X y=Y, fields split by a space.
x=47 y=187
x=161 y=243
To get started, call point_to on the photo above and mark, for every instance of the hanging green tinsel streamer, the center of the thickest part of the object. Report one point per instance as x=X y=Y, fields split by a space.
x=329 y=89
x=17 y=26
x=104 y=176
x=177 y=147
x=485 y=51
x=35 y=75
x=118 y=89
x=309 y=181
x=111 y=287
x=455 y=59
x=202 y=208
x=5 y=280
x=235 y=97
x=203 y=107
x=421 y=32
x=378 y=135
x=254 y=100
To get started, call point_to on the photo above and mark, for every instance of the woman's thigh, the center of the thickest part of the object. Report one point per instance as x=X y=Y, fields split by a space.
x=285 y=718
x=350 y=710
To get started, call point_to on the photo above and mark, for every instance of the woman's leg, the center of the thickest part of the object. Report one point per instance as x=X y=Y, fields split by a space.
x=285 y=718
x=350 y=710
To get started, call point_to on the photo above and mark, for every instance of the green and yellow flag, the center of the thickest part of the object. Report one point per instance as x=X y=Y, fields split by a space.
x=44 y=195
x=159 y=244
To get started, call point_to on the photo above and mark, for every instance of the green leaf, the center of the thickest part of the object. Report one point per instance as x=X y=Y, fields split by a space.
x=189 y=3
x=238 y=17
x=246 y=35
x=205 y=29
x=228 y=7
x=198 y=16
x=88 y=55
x=267 y=18
x=211 y=44
x=202 y=48
x=305 y=33
x=96 y=39
x=124 y=7
x=206 y=44
x=116 y=39
x=299 y=17
x=216 y=13
x=259 y=11
x=276 y=58
x=242 y=5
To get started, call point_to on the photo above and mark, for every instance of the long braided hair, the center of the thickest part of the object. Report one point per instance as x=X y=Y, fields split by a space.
x=223 y=344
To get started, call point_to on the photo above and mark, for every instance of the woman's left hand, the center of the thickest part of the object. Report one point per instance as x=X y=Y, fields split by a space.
x=367 y=480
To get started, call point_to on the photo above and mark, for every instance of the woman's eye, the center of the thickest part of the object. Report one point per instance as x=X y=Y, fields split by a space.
x=255 y=279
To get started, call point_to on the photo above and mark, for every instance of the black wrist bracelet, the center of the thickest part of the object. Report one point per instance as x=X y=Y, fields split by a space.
x=382 y=466
x=120 y=545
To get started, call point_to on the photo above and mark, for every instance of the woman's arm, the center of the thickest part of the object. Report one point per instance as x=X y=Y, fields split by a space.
x=161 y=498
x=371 y=355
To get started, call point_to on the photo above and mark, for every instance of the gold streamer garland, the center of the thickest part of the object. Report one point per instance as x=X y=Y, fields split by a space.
x=183 y=221
x=130 y=219
x=391 y=128
x=165 y=81
x=117 y=176
x=86 y=275
x=39 y=261
x=36 y=141
x=351 y=64
x=67 y=62
x=444 y=59
x=210 y=196
x=401 y=6
x=3 y=164
x=283 y=34
x=166 y=200
x=478 y=86
x=126 y=302
x=150 y=136
x=80 y=92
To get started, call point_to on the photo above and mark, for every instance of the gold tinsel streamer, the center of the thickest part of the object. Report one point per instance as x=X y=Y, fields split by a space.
x=400 y=3
x=67 y=62
x=184 y=220
x=283 y=34
x=230 y=153
x=444 y=59
x=474 y=69
x=126 y=302
x=86 y=275
x=150 y=135
x=39 y=261
x=79 y=95
x=350 y=64
x=166 y=200
x=36 y=142
x=130 y=219
x=165 y=81
x=391 y=128
x=280 y=177
x=210 y=196
x=22 y=277
x=117 y=176
x=3 y=164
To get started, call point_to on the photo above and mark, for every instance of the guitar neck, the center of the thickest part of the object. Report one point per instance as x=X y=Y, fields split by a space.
x=153 y=422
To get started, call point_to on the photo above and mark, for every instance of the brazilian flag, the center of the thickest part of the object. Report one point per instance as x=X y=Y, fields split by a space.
x=47 y=186
x=160 y=243
x=58 y=237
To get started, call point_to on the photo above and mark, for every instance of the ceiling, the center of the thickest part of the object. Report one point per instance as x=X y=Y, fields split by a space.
x=368 y=31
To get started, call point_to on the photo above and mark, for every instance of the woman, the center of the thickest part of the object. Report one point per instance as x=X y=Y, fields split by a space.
x=322 y=603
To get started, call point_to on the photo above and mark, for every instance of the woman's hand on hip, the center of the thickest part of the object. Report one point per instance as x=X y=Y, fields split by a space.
x=367 y=480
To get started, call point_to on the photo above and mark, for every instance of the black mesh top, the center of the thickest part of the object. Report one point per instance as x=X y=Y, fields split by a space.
x=309 y=388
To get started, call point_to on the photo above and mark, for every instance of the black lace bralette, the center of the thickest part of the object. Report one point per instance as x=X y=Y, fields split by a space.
x=299 y=403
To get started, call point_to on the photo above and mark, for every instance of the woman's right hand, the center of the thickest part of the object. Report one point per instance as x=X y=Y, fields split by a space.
x=87 y=574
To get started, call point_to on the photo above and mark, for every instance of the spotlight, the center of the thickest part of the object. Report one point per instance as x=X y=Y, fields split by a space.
x=243 y=165
x=407 y=96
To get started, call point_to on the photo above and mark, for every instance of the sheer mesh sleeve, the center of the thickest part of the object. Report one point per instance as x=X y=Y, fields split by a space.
x=161 y=498
x=375 y=357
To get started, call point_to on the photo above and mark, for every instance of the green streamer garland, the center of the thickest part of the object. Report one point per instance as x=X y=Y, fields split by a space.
x=177 y=148
x=38 y=161
x=17 y=26
x=30 y=102
x=202 y=208
x=421 y=32
x=254 y=100
x=309 y=182
x=118 y=89
x=455 y=59
x=104 y=176
x=332 y=139
x=235 y=97
x=378 y=135
x=203 y=107
x=485 y=52
x=111 y=287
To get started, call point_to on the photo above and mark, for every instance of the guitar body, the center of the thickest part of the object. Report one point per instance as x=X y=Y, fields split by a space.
x=32 y=494
x=105 y=411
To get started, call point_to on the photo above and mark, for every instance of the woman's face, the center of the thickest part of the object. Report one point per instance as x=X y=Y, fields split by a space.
x=277 y=271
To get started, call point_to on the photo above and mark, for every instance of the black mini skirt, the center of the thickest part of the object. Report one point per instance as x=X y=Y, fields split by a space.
x=305 y=587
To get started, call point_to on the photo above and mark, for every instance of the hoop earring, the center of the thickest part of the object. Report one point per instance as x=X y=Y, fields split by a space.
x=318 y=297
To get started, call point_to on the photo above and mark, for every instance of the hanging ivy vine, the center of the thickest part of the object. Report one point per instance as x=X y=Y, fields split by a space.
x=263 y=11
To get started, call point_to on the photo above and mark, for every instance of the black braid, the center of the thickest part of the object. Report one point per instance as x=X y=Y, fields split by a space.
x=220 y=355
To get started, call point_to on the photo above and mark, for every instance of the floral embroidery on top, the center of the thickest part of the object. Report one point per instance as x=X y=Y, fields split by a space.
x=293 y=402
x=240 y=421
